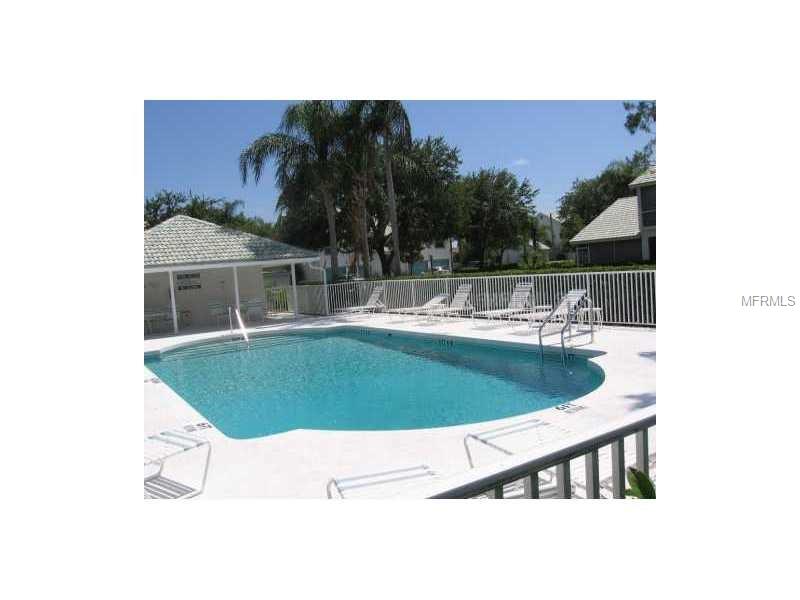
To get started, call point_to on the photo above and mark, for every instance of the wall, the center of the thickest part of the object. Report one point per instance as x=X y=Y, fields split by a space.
x=216 y=285
x=646 y=232
x=615 y=252
x=156 y=292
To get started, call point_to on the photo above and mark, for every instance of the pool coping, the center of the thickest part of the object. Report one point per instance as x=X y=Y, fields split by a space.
x=627 y=381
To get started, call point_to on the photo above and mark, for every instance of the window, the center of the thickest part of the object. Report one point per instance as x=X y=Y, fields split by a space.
x=648 y=206
x=188 y=281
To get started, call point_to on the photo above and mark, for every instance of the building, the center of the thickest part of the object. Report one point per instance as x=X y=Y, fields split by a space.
x=431 y=256
x=552 y=225
x=195 y=270
x=625 y=231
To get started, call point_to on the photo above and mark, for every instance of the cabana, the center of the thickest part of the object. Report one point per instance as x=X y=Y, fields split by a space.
x=194 y=270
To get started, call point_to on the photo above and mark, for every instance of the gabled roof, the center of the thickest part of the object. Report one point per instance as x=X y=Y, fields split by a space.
x=618 y=221
x=184 y=240
x=645 y=178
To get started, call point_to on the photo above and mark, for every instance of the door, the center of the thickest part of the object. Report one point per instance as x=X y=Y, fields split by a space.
x=652 y=243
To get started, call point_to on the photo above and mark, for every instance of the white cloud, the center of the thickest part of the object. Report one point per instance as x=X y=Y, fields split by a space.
x=520 y=162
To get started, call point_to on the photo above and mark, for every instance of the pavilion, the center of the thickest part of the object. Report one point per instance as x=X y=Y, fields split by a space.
x=192 y=267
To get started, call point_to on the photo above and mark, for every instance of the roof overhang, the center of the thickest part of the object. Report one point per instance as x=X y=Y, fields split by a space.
x=226 y=265
x=600 y=241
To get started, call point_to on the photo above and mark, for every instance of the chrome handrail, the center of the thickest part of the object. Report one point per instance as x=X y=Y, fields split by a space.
x=241 y=325
x=567 y=323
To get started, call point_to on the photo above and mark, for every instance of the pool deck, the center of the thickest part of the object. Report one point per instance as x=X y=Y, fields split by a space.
x=299 y=463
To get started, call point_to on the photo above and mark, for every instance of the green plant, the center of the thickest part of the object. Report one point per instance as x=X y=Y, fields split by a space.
x=641 y=485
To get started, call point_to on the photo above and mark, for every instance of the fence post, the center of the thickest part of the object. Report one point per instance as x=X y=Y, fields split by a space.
x=618 y=468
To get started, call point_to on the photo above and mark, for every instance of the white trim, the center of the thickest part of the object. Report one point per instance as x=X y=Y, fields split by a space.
x=226 y=265
x=173 y=302
x=294 y=291
x=236 y=285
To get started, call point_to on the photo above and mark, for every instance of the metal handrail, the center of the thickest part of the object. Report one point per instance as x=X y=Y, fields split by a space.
x=241 y=326
x=567 y=323
x=492 y=477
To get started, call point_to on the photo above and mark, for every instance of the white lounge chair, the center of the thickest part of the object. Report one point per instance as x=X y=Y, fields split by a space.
x=533 y=431
x=436 y=302
x=519 y=303
x=566 y=309
x=373 y=303
x=538 y=313
x=338 y=486
x=460 y=305
x=158 y=449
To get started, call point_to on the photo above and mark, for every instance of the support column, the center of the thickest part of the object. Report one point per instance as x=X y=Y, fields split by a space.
x=173 y=302
x=294 y=291
x=236 y=285
x=325 y=286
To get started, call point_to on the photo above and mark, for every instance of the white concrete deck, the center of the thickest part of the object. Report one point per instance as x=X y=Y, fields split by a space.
x=299 y=463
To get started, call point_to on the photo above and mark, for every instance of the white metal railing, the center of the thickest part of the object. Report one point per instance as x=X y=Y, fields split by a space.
x=527 y=466
x=277 y=300
x=625 y=297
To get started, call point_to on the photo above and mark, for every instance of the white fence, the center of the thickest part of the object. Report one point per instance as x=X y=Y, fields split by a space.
x=526 y=466
x=626 y=297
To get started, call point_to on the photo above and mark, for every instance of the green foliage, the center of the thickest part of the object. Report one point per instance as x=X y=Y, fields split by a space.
x=641 y=116
x=589 y=197
x=304 y=151
x=424 y=174
x=641 y=485
x=166 y=204
x=495 y=212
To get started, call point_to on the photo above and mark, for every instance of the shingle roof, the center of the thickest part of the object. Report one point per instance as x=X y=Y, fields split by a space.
x=618 y=221
x=648 y=176
x=184 y=240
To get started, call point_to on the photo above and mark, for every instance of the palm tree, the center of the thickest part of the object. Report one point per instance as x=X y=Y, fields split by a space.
x=390 y=121
x=357 y=171
x=303 y=148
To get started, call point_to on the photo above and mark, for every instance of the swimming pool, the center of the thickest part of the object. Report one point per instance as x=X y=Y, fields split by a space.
x=353 y=379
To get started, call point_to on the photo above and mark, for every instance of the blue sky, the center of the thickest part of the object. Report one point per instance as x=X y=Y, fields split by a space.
x=194 y=145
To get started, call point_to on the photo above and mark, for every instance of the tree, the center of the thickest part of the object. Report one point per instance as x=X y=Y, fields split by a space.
x=390 y=121
x=589 y=197
x=498 y=209
x=303 y=149
x=162 y=206
x=426 y=172
x=641 y=116
x=166 y=204
x=357 y=170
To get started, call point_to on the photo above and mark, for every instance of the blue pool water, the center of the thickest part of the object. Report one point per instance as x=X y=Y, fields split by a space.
x=357 y=380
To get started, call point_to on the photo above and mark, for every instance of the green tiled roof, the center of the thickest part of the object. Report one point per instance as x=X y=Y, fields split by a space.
x=648 y=176
x=184 y=240
x=618 y=221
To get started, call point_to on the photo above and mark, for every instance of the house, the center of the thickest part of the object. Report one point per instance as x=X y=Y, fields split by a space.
x=625 y=231
x=552 y=225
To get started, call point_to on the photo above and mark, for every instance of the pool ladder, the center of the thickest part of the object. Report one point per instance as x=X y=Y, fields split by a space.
x=567 y=308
